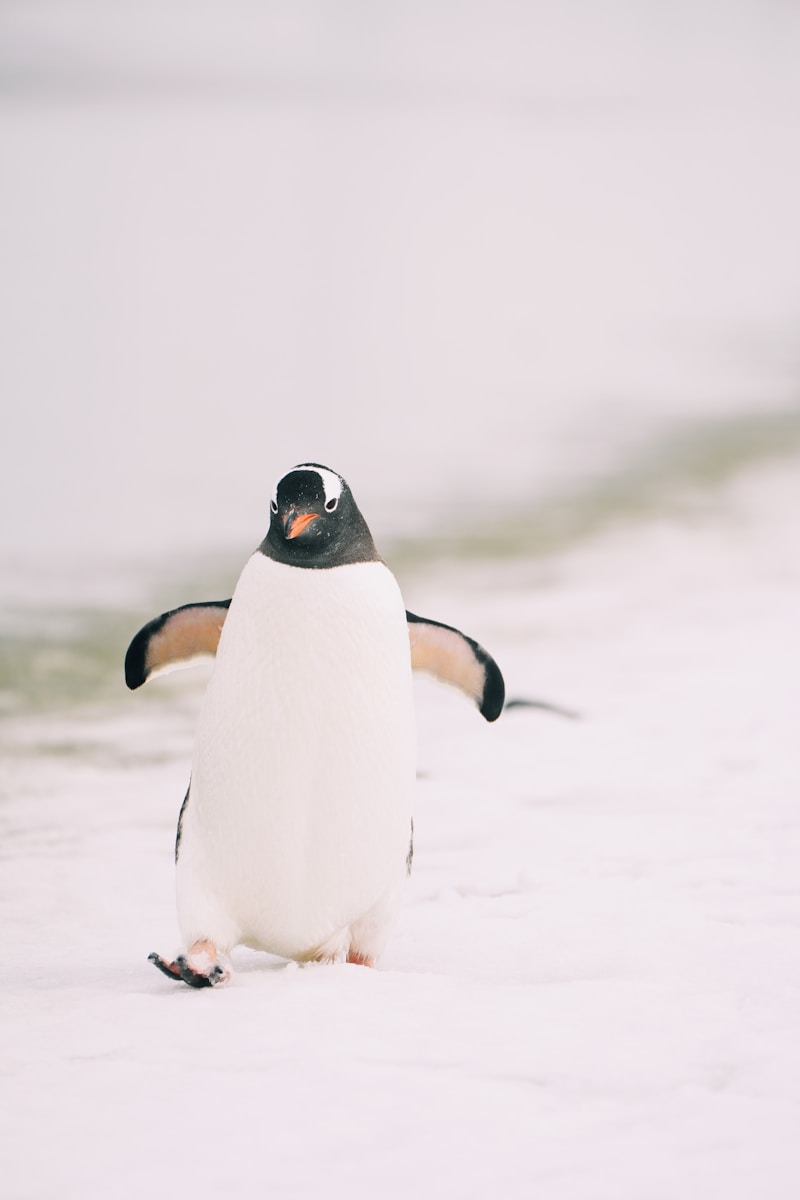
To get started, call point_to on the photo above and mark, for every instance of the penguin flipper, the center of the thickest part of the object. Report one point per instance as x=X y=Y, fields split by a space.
x=175 y=639
x=452 y=657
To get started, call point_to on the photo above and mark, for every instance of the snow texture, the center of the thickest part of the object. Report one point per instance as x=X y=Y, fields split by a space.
x=592 y=992
x=487 y=260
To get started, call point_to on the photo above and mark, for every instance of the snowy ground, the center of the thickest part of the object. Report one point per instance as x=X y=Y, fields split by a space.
x=593 y=988
x=542 y=259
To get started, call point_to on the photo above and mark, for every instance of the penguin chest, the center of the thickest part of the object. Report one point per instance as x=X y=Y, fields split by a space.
x=304 y=769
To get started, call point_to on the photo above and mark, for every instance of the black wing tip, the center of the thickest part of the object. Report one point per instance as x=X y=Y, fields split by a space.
x=493 y=697
x=136 y=672
x=136 y=658
x=136 y=669
x=494 y=690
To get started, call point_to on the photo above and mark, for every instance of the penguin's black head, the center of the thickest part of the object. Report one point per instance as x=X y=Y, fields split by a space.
x=315 y=522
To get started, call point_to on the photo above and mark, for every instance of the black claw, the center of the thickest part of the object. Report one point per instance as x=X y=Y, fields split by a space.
x=196 y=978
x=169 y=969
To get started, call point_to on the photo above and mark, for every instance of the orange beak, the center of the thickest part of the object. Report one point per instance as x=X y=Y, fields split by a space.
x=295 y=523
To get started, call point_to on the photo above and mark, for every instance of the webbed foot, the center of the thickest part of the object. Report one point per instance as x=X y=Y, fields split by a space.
x=200 y=968
x=170 y=969
x=190 y=974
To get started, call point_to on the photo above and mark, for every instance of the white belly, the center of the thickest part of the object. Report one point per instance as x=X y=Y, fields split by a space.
x=300 y=808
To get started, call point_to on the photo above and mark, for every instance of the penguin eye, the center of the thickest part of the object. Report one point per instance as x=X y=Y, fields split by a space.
x=331 y=505
x=273 y=505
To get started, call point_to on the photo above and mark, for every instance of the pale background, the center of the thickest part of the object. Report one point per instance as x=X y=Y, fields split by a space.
x=528 y=274
x=468 y=254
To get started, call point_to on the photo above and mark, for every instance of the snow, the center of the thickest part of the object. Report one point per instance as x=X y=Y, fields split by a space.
x=541 y=258
x=592 y=991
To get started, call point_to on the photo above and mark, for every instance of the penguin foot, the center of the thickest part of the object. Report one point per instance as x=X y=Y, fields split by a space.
x=196 y=969
x=198 y=979
x=170 y=969
x=359 y=959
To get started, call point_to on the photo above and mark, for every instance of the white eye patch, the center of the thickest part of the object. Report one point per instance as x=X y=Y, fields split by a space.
x=331 y=484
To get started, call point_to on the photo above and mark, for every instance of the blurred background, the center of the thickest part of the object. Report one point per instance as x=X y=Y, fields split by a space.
x=517 y=270
x=528 y=275
x=478 y=257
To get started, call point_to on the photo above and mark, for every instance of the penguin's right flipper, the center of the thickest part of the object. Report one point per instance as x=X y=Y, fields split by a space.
x=175 y=639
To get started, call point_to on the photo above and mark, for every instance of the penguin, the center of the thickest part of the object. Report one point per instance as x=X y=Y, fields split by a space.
x=296 y=833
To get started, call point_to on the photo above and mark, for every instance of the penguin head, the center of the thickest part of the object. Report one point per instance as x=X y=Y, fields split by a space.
x=315 y=522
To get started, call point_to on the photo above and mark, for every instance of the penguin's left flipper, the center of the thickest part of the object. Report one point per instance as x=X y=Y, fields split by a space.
x=175 y=639
x=452 y=657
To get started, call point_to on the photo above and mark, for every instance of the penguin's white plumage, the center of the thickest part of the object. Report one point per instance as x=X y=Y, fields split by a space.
x=294 y=836
x=299 y=816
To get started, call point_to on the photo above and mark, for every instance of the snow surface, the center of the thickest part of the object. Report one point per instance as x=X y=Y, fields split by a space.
x=593 y=989
x=236 y=233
